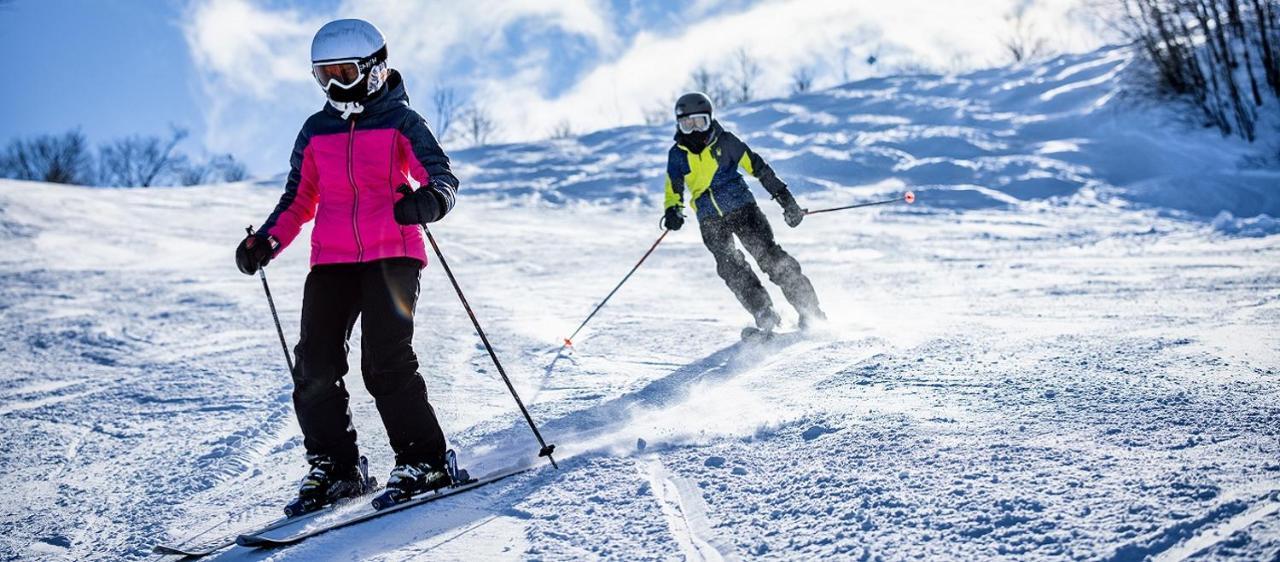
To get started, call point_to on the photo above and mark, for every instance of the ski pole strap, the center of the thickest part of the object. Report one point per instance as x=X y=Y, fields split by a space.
x=546 y=450
x=569 y=340
x=262 y=274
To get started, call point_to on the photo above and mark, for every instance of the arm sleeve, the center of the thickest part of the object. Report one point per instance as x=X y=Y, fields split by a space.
x=428 y=164
x=298 y=203
x=761 y=170
x=675 y=179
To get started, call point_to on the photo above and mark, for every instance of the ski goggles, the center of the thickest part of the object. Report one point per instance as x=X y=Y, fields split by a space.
x=696 y=122
x=344 y=73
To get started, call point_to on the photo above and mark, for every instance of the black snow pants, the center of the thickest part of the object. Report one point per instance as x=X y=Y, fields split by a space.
x=751 y=227
x=383 y=294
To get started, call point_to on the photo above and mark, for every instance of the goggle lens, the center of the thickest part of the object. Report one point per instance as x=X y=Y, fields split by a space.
x=696 y=122
x=345 y=74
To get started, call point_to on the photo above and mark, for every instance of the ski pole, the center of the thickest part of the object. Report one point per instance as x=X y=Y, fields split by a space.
x=262 y=273
x=546 y=450
x=909 y=197
x=569 y=340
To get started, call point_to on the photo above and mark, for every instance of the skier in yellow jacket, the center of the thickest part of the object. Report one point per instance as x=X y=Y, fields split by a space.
x=702 y=169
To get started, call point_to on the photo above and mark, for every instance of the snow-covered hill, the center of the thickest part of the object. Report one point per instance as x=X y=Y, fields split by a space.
x=1064 y=351
x=991 y=139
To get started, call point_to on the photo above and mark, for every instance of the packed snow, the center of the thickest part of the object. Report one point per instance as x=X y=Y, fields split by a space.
x=1067 y=349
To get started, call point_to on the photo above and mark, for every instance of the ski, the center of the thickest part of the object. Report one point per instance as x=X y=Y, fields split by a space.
x=262 y=540
x=206 y=548
x=211 y=546
x=753 y=334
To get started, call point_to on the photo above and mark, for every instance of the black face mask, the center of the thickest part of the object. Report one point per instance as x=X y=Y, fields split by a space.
x=695 y=141
x=357 y=92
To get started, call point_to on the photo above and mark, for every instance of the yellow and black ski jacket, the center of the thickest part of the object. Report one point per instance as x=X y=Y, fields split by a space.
x=715 y=187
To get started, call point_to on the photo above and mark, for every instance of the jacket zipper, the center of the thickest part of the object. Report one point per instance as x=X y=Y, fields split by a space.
x=710 y=191
x=713 y=201
x=355 y=191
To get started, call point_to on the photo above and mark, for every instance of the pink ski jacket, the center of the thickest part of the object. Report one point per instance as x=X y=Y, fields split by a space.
x=344 y=174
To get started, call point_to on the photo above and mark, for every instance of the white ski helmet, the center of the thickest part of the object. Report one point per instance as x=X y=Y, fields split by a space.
x=349 y=60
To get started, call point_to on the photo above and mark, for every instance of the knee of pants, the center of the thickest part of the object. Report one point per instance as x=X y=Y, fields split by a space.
x=390 y=357
x=394 y=384
x=316 y=389
x=779 y=264
x=314 y=361
x=389 y=367
x=732 y=265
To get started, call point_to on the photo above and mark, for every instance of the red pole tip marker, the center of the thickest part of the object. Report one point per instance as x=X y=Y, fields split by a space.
x=910 y=197
x=568 y=343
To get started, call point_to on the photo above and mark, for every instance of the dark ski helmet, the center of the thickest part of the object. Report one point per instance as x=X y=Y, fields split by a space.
x=349 y=60
x=693 y=113
x=693 y=102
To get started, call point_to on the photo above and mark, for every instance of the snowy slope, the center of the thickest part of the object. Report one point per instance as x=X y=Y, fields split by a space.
x=991 y=139
x=1043 y=360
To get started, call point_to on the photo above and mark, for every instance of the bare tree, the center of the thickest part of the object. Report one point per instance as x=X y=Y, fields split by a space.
x=447 y=107
x=705 y=80
x=1022 y=41
x=132 y=161
x=194 y=174
x=845 y=54
x=229 y=168
x=478 y=127
x=1206 y=51
x=713 y=85
x=659 y=113
x=223 y=167
x=802 y=80
x=61 y=158
x=562 y=130
x=743 y=78
x=141 y=161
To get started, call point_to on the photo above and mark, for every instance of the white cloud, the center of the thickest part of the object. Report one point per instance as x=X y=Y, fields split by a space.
x=512 y=54
x=785 y=36
x=247 y=48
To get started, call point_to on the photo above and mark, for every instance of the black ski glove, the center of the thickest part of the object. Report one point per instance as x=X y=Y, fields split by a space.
x=254 y=253
x=418 y=207
x=791 y=211
x=673 y=219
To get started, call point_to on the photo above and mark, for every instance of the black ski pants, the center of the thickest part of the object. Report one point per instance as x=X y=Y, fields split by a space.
x=751 y=227
x=383 y=295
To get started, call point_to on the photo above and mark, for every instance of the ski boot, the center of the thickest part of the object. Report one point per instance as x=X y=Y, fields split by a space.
x=328 y=483
x=412 y=479
x=766 y=322
x=811 y=319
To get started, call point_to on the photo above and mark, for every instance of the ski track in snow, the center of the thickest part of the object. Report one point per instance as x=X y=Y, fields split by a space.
x=1029 y=364
x=686 y=514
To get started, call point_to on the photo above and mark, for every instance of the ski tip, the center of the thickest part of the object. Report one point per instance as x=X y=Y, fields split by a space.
x=910 y=197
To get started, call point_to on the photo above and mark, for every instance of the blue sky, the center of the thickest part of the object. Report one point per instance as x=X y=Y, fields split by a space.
x=110 y=67
x=236 y=72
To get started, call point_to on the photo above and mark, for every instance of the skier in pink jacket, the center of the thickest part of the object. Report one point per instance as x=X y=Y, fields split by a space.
x=351 y=165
